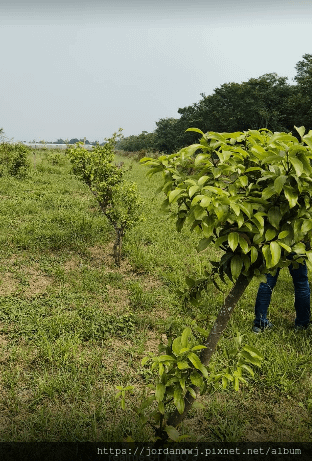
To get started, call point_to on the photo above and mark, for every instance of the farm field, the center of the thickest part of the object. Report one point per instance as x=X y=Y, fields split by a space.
x=73 y=326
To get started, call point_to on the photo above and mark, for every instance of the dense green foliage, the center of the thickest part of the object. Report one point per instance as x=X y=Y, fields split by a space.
x=253 y=200
x=249 y=194
x=144 y=141
x=14 y=159
x=264 y=102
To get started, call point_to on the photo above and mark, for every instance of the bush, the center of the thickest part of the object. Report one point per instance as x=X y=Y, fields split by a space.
x=14 y=159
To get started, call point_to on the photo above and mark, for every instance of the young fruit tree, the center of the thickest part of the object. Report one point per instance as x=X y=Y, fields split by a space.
x=249 y=194
x=118 y=199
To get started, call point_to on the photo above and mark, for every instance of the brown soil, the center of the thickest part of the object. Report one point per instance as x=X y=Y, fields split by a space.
x=8 y=284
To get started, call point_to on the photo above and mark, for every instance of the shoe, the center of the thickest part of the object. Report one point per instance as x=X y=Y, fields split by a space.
x=302 y=327
x=257 y=330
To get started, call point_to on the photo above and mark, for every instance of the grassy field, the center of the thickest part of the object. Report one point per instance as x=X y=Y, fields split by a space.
x=73 y=326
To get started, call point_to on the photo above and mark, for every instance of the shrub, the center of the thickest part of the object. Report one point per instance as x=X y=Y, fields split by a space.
x=14 y=159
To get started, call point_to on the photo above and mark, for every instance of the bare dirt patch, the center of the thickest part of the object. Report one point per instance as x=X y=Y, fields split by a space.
x=72 y=264
x=152 y=342
x=8 y=284
x=37 y=284
x=103 y=256
x=118 y=299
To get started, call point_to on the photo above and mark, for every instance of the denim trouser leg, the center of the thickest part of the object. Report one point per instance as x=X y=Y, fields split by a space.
x=302 y=294
x=263 y=300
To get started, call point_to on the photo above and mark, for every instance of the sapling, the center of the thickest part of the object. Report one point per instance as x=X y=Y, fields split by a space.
x=118 y=199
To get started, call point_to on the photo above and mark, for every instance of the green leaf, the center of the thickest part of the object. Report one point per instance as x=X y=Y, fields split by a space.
x=161 y=408
x=224 y=382
x=192 y=392
x=160 y=392
x=283 y=234
x=251 y=359
x=197 y=199
x=244 y=181
x=301 y=130
x=190 y=282
x=196 y=379
x=166 y=358
x=291 y=195
x=202 y=180
x=193 y=190
x=299 y=248
x=220 y=240
x=308 y=140
x=243 y=244
x=183 y=365
x=253 y=254
x=194 y=359
x=233 y=239
x=246 y=208
x=235 y=208
x=173 y=195
x=185 y=335
x=267 y=256
x=201 y=158
x=270 y=234
x=145 y=360
x=268 y=192
x=197 y=130
x=199 y=213
x=236 y=266
x=178 y=400
x=306 y=226
x=173 y=433
x=253 y=351
x=198 y=348
x=182 y=383
x=203 y=244
x=176 y=346
x=297 y=165
x=249 y=369
x=275 y=252
x=274 y=216
x=286 y=247
x=205 y=202
x=279 y=183
x=259 y=220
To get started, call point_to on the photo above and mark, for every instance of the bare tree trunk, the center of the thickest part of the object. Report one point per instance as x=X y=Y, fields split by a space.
x=117 y=246
x=217 y=330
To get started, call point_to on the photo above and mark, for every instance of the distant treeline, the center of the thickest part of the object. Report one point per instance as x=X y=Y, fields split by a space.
x=264 y=102
x=74 y=140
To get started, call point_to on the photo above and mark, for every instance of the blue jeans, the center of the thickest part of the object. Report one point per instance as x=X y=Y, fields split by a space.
x=302 y=296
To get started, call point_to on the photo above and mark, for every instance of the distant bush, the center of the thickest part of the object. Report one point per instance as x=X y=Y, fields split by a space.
x=57 y=159
x=138 y=155
x=14 y=159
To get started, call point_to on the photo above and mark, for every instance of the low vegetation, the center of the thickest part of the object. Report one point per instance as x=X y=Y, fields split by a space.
x=73 y=326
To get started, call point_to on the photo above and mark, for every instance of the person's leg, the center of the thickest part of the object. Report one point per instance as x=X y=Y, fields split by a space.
x=302 y=294
x=263 y=300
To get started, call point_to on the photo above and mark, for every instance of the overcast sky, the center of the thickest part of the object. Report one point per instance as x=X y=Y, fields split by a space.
x=85 y=68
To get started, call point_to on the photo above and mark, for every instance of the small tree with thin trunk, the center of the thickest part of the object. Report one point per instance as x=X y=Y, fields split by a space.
x=118 y=199
x=248 y=194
